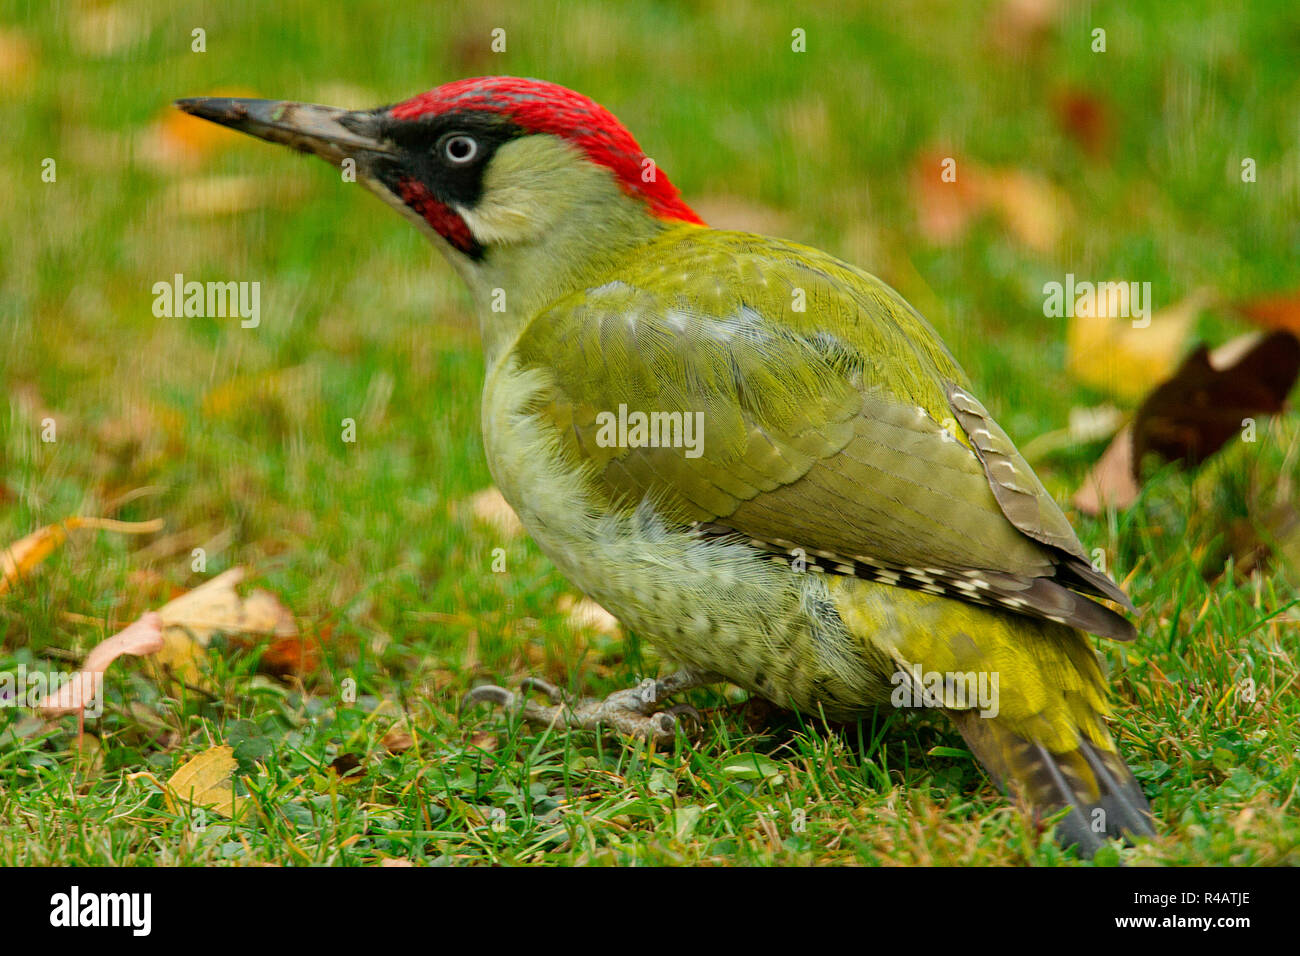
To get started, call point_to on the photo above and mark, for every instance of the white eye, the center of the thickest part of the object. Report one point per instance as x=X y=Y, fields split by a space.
x=460 y=149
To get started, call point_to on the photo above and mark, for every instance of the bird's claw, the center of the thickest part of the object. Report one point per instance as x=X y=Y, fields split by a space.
x=633 y=712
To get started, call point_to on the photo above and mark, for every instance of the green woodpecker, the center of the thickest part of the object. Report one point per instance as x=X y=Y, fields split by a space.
x=758 y=457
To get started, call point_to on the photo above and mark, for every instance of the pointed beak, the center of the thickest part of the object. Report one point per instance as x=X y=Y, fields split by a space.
x=330 y=133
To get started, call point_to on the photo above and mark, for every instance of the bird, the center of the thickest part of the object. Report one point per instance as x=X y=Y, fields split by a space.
x=761 y=459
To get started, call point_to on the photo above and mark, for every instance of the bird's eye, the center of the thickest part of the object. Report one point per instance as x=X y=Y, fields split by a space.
x=460 y=149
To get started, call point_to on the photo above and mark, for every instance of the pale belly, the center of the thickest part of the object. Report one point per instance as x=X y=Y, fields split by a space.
x=706 y=605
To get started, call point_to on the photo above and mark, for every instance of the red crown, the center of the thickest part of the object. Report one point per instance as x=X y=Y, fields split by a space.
x=540 y=107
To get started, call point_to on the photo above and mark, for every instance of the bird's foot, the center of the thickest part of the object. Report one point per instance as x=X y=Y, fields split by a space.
x=637 y=711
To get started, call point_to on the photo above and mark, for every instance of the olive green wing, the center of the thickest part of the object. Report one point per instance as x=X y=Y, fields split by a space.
x=828 y=421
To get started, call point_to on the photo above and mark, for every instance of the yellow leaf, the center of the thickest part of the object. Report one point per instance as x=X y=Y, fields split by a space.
x=205 y=781
x=1105 y=350
x=21 y=558
x=23 y=555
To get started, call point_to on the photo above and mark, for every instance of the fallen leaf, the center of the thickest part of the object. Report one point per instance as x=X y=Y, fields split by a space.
x=24 y=555
x=1031 y=208
x=945 y=209
x=1085 y=118
x=1027 y=205
x=1105 y=350
x=345 y=766
x=1023 y=26
x=398 y=739
x=1207 y=400
x=1110 y=484
x=1276 y=312
x=1192 y=414
x=192 y=620
x=140 y=639
x=204 y=781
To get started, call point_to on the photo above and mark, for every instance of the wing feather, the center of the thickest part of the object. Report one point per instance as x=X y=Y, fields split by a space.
x=822 y=428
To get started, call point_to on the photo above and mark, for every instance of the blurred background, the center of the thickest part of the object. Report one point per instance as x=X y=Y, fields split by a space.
x=1117 y=163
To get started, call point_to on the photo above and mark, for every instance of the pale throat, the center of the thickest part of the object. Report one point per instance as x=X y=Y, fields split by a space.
x=552 y=224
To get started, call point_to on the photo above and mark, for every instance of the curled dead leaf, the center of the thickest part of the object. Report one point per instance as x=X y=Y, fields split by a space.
x=192 y=620
x=140 y=638
x=1110 y=483
x=23 y=556
x=1209 y=399
x=398 y=739
x=1211 y=396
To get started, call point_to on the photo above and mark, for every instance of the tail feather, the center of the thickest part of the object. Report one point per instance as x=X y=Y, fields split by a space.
x=1092 y=781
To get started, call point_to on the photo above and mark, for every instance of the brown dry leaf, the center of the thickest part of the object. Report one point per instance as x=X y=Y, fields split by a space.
x=398 y=739
x=394 y=861
x=945 y=209
x=1085 y=118
x=1206 y=402
x=491 y=508
x=140 y=638
x=1190 y=416
x=215 y=606
x=1031 y=208
x=1106 y=351
x=205 y=781
x=1110 y=484
x=24 y=555
x=1275 y=312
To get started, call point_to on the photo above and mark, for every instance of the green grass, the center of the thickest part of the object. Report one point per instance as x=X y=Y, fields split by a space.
x=234 y=434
